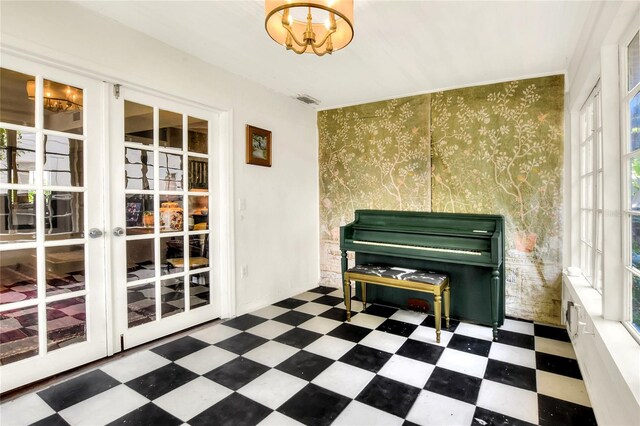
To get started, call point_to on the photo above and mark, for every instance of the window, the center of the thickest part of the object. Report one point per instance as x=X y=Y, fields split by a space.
x=591 y=212
x=631 y=166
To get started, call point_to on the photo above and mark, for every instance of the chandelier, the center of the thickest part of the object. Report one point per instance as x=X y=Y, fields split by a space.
x=57 y=97
x=320 y=27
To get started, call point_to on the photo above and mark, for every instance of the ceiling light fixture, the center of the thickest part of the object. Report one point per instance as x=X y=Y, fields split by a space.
x=57 y=97
x=320 y=27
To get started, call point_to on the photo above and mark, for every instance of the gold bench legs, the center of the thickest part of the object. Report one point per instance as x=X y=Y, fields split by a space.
x=347 y=297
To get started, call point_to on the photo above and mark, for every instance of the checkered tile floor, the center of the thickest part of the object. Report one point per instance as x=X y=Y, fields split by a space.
x=298 y=362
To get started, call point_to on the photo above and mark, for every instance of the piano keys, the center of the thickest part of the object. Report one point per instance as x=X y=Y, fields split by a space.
x=468 y=247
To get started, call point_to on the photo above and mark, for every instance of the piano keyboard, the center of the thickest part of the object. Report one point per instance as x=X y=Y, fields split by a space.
x=442 y=250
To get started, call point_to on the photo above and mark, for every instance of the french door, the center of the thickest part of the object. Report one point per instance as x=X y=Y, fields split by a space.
x=52 y=252
x=165 y=218
x=110 y=233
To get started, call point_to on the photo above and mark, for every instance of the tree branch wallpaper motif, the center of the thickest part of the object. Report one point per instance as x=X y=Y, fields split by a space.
x=374 y=156
x=486 y=149
x=498 y=149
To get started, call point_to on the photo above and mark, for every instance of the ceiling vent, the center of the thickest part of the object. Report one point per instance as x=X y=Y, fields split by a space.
x=308 y=99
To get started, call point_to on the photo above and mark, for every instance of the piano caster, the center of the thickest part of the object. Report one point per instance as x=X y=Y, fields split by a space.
x=437 y=336
x=495 y=331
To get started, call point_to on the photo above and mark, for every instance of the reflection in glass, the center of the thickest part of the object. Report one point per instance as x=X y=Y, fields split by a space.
x=587 y=192
x=17 y=156
x=19 y=334
x=63 y=161
x=64 y=215
x=15 y=105
x=140 y=257
x=62 y=107
x=198 y=251
x=198 y=135
x=170 y=129
x=171 y=213
x=18 y=275
x=198 y=173
x=635 y=183
x=141 y=304
x=172 y=291
x=66 y=323
x=198 y=212
x=138 y=123
x=138 y=169
x=634 y=118
x=65 y=269
x=139 y=214
x=17 y=215
x=199 y=290
x=171 y=176
x=172 y=254
x=635 y=242
x=633 y=61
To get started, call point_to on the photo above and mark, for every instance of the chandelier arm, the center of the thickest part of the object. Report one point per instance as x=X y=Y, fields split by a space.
x=318 y=53
x=299 y=52
x=324 y=40
x=293 y=36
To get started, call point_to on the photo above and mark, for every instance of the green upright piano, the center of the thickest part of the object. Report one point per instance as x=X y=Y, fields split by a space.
x=467 y=247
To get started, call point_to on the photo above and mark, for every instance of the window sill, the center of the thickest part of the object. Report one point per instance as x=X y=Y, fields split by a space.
x=610 y=336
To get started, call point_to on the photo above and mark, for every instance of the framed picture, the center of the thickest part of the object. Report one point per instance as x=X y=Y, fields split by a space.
x=258 y=146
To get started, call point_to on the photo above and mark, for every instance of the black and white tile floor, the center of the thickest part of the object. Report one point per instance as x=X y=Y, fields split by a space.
x=298 y=362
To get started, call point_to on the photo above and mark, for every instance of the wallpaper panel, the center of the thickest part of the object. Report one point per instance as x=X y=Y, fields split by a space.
x=374 y=156
x=498 y=149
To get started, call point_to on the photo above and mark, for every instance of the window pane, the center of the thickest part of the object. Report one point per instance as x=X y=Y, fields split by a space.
x=66 y=323
x=634 y=169
x=635 y=303
x=65 y=269
x=198 y=135
x=141 y=304
x=17 y=156
x=198 y=173
x=63 y=161
x=171 y=213
x=140 y=259
x=139 y=214
x=17 y=94
x=138 y=168
x=171 y=176
x=587 y=192
x=635 y=242
x=62 y=107
x=172 y=296
x=199 y=289
x=172 y=255
x=17 y=215
x=19 y=334
x=634 y=120
x=138 y=123
x=19 y=278
x=586 y=158
x=170 y=129
x=633 y=61
x=63 y=215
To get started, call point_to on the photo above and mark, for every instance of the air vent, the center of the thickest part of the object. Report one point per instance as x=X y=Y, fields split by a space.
x=77 y=116
x=308 y=99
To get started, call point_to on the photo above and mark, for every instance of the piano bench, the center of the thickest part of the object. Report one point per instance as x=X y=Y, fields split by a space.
x=408 y=279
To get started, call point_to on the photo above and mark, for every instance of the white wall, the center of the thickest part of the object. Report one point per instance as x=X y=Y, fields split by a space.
x=276 y=237
x=607 y=354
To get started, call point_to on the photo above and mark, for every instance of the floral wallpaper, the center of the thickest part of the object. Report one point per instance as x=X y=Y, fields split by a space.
x=374 y=156
x=486 y=149
x=498 y=149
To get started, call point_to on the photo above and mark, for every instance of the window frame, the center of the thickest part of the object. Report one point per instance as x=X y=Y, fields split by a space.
x=591 y=198
x=626 y=96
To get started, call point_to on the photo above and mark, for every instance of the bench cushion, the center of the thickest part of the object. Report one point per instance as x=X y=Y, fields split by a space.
x=404 y=274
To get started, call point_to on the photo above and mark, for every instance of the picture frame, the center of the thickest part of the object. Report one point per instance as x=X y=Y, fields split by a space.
x=258 y=146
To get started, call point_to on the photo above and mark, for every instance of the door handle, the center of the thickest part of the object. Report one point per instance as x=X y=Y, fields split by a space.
x=95 y=233
x=118 y=232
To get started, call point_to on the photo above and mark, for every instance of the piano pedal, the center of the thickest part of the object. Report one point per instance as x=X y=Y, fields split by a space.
x=419 y=305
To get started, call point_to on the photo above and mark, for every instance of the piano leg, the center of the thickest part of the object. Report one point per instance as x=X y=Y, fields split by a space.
x=495 y=284
x=437 y=311
x=347 y=298
x=447 y=302
x=364 y=296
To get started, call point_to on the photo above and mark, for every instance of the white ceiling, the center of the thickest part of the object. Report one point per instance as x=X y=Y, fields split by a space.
x=399 y=48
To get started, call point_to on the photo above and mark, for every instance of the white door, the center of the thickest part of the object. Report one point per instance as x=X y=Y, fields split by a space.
x=52 y=274
x=164 y=217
